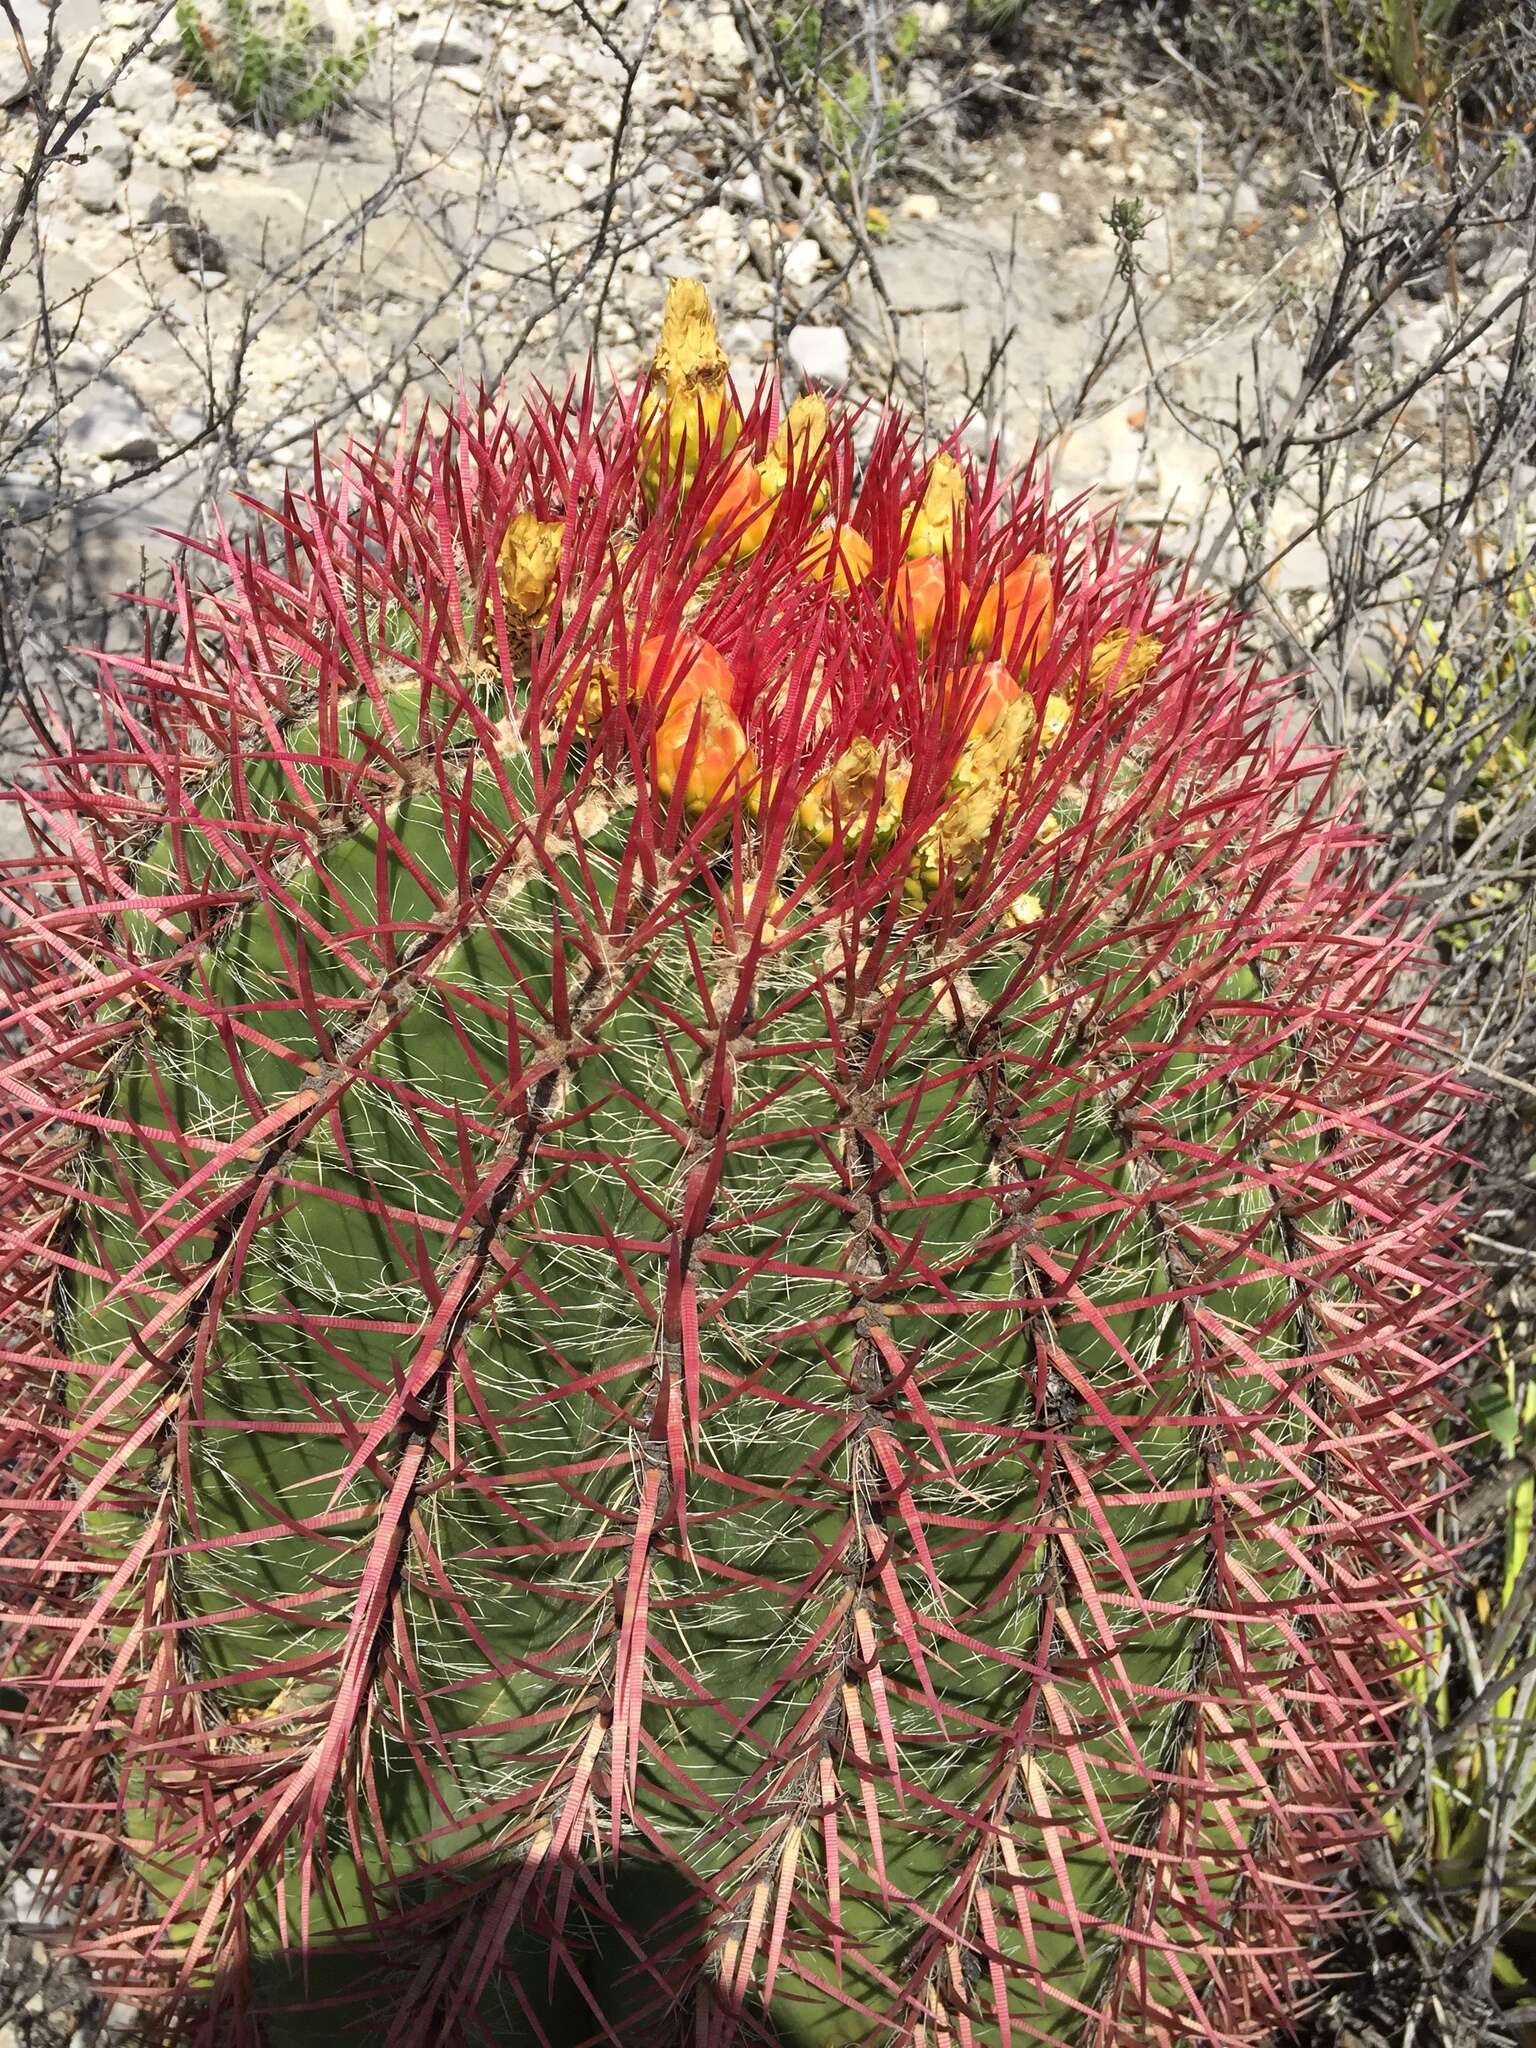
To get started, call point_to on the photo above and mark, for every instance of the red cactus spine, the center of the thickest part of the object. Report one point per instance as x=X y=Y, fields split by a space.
x=726 y=1281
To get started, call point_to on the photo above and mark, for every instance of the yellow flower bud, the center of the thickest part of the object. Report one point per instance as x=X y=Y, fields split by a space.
x=936 y=529
x=689 y=400
x=1054 y=720
x=797 y=446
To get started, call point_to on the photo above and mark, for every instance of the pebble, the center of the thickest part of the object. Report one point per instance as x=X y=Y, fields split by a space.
x=745 y=191
x=96 y=185
x=1048 y=203
x=1420 y=339
x=182 y=149
x=106 y=140
x=446 y=42
x=113 y=427
x=714 y=223
x=204 y=146
x=919 y=206
x=146 y=89
x=1247 y=208
x=822 y=355
x=726 y=47
x=747 y=340
x=802 y=260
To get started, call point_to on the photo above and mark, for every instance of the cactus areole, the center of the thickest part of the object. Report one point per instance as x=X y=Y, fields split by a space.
x=726 y=1283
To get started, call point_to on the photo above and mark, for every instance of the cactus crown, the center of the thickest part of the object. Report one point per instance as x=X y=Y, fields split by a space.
x=725 y=1280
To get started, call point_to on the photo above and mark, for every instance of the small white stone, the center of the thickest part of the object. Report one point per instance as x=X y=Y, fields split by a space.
x=146 y=89
x=919 y=206
x=802 y=260
x=204 y=146
x=714 y=223
x=107 y=139
x=727 y=50
x=822 y=355
x=464 y=77
x=747 y=340
x=744 y=191
x=1048 y=203
x=158 y=140
x=96 y=185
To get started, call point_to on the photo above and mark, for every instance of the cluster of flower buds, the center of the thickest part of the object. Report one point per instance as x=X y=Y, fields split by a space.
x=699 y=470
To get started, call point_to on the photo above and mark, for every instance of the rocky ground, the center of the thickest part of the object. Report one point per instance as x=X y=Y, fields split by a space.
x=516 y=184
x=1069 y=251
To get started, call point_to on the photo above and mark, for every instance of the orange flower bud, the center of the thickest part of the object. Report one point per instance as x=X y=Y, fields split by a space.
x=741 y=511
x=703 y=731
x=988 y=687
x=917 y=595
x=673 y=668
x=1023 y=606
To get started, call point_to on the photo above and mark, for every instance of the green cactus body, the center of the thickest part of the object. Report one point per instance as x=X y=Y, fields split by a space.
x=566 y=1360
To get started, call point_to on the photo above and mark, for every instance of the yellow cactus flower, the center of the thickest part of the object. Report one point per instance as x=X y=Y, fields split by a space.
x=528 y=563
x=1119 y=663
x=839 y=801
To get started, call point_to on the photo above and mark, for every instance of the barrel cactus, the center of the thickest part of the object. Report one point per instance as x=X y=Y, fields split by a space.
x=727 y=1284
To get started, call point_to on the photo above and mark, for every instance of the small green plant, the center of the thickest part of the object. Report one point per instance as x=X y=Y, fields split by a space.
x=277 y=73
x=1463 y=1839
x=1478 y=717
x=1407 y=43
x=852 y=89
